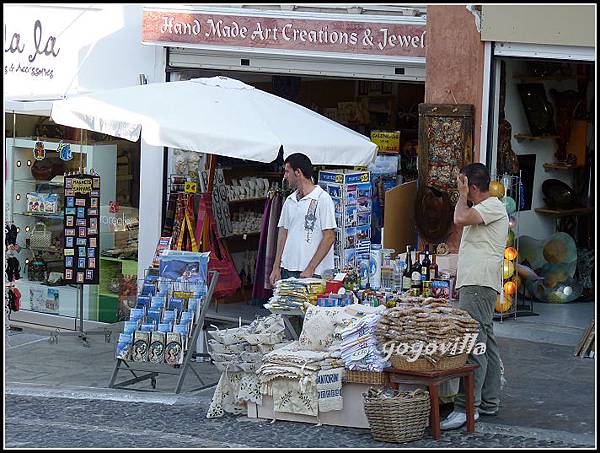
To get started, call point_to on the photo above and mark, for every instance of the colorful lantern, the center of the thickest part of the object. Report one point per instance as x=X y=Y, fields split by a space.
x=497 y=189
x=510 y=253
x=510 y=288
x=510 y=204
x=502 y=306
x=512 y=222
x=510 y=239
x=508 y=269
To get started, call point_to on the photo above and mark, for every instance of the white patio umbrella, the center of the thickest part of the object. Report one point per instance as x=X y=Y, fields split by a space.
x=216 y=115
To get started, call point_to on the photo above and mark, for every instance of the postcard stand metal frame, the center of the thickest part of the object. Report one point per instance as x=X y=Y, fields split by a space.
x=184 y=367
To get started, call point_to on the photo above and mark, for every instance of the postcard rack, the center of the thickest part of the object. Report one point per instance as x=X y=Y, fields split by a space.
x=153 y=370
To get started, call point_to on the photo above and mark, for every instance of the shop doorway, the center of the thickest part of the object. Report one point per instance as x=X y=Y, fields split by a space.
x=364 y=105
x=549 y=105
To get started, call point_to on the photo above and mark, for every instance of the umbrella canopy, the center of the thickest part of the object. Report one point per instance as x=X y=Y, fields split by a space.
x=216 y=115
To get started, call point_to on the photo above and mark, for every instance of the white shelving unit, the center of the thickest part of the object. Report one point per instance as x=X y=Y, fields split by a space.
x=38 y=303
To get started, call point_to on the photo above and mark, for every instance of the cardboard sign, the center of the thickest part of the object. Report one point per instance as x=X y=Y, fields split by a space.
x=388 y=142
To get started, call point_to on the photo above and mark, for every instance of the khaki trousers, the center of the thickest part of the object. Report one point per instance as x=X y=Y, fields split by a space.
x=479 y=302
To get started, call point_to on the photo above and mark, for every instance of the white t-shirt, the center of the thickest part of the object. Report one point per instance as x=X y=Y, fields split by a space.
x=482 y=246
x=305 y=221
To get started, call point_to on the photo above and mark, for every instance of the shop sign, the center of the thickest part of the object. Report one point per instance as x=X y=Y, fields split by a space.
x=276 y=33
x=30 y=54
x=54 y=50
x=388 y=142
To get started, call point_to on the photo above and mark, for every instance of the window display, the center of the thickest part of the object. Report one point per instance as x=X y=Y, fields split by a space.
x=49 y=221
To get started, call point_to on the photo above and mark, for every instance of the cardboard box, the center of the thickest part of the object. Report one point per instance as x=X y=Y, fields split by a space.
x=399 y=217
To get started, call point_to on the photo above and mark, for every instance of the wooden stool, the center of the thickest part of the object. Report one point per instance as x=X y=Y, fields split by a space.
x=433 y=379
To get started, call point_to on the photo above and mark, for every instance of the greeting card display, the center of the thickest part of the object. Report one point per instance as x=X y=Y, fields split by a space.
x=81 y=246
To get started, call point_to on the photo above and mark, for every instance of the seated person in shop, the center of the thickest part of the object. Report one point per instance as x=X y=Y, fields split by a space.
x=306 y=226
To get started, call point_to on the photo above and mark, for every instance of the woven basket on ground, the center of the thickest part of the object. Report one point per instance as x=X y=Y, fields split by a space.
x=399 y=419
x=365 y=377
x=421 y=364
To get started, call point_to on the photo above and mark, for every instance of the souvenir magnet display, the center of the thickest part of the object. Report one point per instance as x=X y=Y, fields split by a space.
x=64 y=151
x=39 y=152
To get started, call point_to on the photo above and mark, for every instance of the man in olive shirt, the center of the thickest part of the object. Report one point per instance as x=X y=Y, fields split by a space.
x=479 y=281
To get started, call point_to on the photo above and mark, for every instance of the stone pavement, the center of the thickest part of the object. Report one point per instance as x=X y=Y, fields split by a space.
x=56 y=396
x=58 y=422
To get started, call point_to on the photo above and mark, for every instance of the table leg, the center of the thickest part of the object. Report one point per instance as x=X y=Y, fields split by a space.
x=470 y=403
x=290 y=327
x=434 y=418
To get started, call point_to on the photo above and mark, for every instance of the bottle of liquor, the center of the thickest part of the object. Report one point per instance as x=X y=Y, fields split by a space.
x=416 y=274
x=433 y=270
x=407 y=276
x=399 y=266
x=425 y=265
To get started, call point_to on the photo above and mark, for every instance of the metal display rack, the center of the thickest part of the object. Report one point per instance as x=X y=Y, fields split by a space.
x=512 y=186
x=154 y=369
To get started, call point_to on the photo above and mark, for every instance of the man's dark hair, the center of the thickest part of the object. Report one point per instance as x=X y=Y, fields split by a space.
x=478 y=175
x=299 y=161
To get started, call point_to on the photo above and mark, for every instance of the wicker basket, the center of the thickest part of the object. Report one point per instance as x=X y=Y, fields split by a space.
x=365 y=377
x=399 y=362
x=399 y=419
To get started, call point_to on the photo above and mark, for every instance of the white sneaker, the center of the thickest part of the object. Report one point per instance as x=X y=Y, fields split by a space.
x=455 y=420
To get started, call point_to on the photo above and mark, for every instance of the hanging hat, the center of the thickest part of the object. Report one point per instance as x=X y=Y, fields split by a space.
x=433 y=213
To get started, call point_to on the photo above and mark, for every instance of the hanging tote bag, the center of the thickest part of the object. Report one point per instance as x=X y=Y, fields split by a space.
x=220 y=260
x=187 y=226
x=40 y=237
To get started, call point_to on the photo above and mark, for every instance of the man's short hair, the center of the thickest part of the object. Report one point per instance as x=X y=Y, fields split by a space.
x=299 y=161
x=478 y=175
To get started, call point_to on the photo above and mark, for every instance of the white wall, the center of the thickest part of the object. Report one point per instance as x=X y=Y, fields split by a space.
x=152 y=181
x=531 y=223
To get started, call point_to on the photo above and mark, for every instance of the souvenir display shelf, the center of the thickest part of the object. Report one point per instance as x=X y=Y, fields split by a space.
x=152 y=370
x=52 y=306
x=351 y=193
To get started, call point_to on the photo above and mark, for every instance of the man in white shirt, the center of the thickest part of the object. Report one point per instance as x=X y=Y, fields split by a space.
x=306 y=226
x=479 y=281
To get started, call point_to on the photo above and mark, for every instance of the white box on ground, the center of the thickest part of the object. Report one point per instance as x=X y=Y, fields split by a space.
x=352 y=416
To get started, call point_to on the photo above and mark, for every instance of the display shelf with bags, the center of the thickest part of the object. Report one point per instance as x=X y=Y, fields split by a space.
x=34 y=201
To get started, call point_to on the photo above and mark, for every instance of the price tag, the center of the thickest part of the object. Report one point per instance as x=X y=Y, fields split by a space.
x=190 y=187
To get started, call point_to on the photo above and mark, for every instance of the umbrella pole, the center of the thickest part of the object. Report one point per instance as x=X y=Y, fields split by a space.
x=212 y=164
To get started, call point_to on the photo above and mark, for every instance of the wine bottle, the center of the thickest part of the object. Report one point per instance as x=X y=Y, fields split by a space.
x=433 y=270
x=425 y=265
x=416 y=274
x=407 y=275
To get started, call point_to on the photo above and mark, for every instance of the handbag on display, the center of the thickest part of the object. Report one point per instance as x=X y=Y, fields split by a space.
x=40 y=237
x=220 y=260
x=37 y=269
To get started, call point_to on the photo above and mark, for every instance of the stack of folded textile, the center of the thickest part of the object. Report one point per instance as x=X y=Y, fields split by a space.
x=289 y=374
x=238 y=353
x=359 y=346
x=293 y=293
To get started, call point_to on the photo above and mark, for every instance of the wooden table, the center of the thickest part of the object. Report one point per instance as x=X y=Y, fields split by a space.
x=433 y=379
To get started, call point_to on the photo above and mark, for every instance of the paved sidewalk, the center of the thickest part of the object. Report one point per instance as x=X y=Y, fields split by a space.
x=548 y=400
